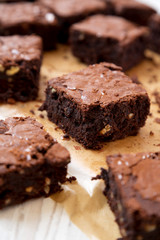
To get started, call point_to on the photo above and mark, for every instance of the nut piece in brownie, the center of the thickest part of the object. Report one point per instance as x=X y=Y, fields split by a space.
x=26 y=18
x=99 y=103
x=32 y=164
x=20 y=62
x=108 y=38
x=154 y=38
x=71 y=11
x=133 y=192
x=132 y=10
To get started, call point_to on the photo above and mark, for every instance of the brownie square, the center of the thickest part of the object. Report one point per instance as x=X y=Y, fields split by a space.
x=108 y=38
x=99 y=103
x=20 y=62
x=132 y=10
x=26 y=18
x=71 y=11
x=154 y=37
x=133 y=193
x=32 y=164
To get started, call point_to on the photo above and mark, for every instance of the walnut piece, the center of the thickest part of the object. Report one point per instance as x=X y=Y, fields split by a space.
x=12 y=71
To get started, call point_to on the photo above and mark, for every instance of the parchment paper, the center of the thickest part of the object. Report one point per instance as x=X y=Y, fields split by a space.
x=83 y=200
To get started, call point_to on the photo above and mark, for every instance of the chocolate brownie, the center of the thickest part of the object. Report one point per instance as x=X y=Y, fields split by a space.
x=133 y=193
x=32 y=164
x=20 y=62
x=132 y=10
x=26 y=18
x=154 y=38
x=99 y=103
x=71 y=11
x=108 y=38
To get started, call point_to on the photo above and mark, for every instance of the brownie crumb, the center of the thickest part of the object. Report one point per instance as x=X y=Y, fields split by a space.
x=96 y=178
x=65 y=137
x=41 y=115
x=56 y=128
x=71 y=179
x=32 y=111
x=151 y=133
x=157 y=120
x=157 y=145
x=150 y=114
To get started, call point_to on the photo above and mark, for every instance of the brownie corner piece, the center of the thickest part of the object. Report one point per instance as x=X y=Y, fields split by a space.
x=108 y=38
x=20 y=62
x=97 y=104
x=32 y=163
x=132 y=189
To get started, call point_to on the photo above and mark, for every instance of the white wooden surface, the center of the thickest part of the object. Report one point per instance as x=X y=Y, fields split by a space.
x=40 y=219
x=43 y=219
